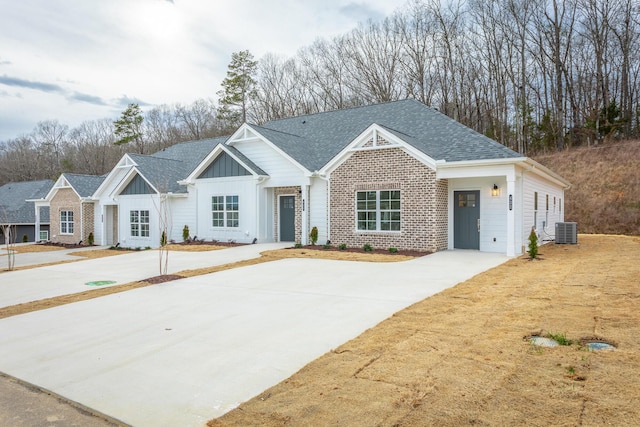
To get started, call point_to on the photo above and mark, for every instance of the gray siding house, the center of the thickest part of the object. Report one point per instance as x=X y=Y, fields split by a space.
x=17 y=209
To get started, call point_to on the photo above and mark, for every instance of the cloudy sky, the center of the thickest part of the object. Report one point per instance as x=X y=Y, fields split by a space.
x=76 y=60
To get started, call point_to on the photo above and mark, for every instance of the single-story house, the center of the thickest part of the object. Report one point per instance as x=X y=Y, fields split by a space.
x=71 y=207
x=17 y=201
x=397 y=174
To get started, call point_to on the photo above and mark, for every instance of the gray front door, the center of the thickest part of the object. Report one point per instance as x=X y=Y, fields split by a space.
x=287 y=218
x=466 y=220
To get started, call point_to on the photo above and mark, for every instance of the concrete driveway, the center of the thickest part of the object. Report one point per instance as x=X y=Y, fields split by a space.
x=183 y=352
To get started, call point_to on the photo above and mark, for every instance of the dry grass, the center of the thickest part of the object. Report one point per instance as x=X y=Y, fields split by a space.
x=460 y=357
x=23 y=249
x=605 y=192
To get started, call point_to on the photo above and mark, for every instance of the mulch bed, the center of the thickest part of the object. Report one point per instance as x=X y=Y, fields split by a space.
x=67 y=245
x=362 y=251
x=161 y=279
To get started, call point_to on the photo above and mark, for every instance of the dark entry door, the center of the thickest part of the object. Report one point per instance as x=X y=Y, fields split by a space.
x=287 y=218
x=466 y=220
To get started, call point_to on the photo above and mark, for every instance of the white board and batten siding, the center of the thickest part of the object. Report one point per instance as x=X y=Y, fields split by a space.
x=550 y=207
x=242 y=186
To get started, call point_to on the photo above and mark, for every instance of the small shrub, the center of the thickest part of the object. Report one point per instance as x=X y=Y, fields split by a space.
x=342 y=246
x=533 y=243
x=185 y=233
x=298 y=245
x=25 y=238
x=90 y=239
x=393 y=250
x=147 y=247
x=163 y=238
x=138 y=248
x=314 y=235
x=367 y=247
x=326 y=246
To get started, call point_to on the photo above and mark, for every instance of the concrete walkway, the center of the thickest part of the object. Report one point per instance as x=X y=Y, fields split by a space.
x=183 y=352
x=45 y=282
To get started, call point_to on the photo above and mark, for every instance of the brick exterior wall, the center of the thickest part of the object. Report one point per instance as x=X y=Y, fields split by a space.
x=423 y=200
x=288 y=191
x=65 y=200
x=88 y=210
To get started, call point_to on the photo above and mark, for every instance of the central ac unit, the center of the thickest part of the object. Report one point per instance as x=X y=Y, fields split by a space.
x=567 y=232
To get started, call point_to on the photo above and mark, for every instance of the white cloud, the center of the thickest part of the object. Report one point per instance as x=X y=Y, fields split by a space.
x=75 y=60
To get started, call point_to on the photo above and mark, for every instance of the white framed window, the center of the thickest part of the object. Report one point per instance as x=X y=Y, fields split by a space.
x=66 y=222
x=139 y=221
x=225 y=211
x=378 y=210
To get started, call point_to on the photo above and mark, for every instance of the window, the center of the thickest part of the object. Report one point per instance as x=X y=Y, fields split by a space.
x=139 y=223
x=66 y=222
x=378 y=210
x=225 y=212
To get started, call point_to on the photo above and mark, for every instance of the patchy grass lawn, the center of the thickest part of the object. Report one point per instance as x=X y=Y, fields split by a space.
x=461 y=358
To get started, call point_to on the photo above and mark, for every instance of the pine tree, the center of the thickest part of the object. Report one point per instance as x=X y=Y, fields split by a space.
x=129 y=127
x=237 y=89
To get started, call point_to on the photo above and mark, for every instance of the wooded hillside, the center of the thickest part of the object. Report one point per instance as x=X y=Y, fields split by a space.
x=605 y=191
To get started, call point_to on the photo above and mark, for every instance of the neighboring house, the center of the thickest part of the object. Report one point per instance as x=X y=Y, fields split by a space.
x=72 y=209
x=398 y=174
x=17 y=208
x=142 y=190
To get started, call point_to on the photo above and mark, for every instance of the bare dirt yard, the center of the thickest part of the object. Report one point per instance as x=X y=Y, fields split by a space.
x=464 y=356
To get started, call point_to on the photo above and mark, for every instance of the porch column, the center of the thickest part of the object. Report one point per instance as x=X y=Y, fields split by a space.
x=511 y=216
x=36 y=236
x=304 y=238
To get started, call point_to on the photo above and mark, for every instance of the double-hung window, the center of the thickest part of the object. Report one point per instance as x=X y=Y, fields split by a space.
x=378 y=210
x=66 y=222
x=225 y=212
x=139 y=221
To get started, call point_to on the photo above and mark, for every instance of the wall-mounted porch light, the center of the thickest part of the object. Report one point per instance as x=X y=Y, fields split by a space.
x=495 y=191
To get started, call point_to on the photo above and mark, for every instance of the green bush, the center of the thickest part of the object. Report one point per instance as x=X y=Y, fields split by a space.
x=314 y=235
x=25 y=238
x=185 y=233
x=326 y=246
x=367 y=247
x=342 y=246
x=533 y=243
x=393 y=250
x=297 y=245
x=163 y=238
x=90 y=239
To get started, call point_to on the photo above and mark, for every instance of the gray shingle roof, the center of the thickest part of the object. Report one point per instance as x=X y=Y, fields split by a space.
x=85 y=185
x=14 y=208
x=315 y=139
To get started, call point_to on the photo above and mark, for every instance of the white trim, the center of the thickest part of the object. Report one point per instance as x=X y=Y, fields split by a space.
x=210 y=158
x=374 y=131
x=127 y=179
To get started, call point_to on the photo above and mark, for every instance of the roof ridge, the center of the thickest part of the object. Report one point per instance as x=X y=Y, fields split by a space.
x=355 y=107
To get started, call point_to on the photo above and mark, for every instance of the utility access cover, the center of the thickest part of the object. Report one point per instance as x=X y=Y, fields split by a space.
x=101 y=283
